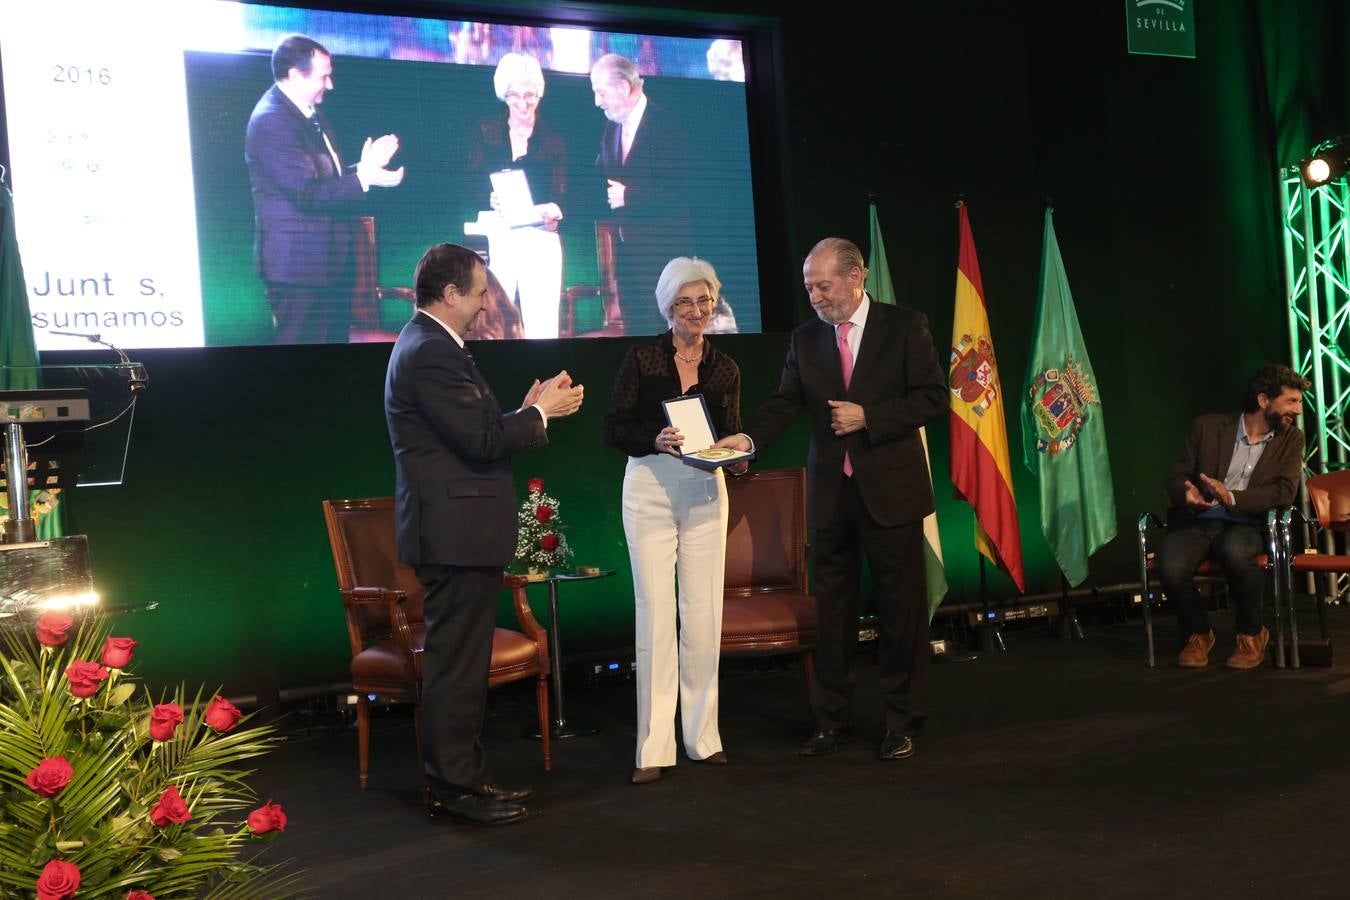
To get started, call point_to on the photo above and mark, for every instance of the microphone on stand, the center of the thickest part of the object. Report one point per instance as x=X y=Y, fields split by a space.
x=137 y=378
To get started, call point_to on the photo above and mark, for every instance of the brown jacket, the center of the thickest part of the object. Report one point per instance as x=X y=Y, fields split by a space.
x=1208 y=449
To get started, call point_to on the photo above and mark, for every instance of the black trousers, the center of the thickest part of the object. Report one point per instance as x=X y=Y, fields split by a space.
x=461 y=614
x=311 y=315
x=895 y=556
x=1235 y=545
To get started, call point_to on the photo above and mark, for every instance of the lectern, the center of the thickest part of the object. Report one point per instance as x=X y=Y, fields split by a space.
x=63 y=427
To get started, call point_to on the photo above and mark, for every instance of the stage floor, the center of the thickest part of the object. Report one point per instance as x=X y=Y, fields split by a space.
x=1054 y=769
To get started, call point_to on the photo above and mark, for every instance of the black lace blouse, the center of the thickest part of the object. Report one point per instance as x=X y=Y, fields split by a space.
x=648 y=375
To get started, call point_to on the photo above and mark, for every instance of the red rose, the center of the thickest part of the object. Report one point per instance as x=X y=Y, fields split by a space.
x=549 y=542
x=139 y=895
x=268 y=817
x=51 y=776
x=535 y=485
x=85 y=678
x=164 y=720
x=170 y=808
x=59 y=880
x=53 y=628
x=222 y=715
x=117 y=652
x=543 y=513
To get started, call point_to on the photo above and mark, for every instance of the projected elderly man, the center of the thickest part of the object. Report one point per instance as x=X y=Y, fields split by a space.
x=304 y=199
x=1232 y=469
x=645 y=158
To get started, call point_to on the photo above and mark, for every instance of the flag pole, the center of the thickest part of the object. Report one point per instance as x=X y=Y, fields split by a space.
x=991 y=633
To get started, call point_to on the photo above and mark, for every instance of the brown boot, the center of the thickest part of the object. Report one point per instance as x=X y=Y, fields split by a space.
x=1195 y=655
x=1250 y=651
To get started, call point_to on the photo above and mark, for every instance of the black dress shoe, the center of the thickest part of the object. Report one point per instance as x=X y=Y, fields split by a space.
x=822 y=742
x=505 y=794
x=476 y=809
x=896 y=746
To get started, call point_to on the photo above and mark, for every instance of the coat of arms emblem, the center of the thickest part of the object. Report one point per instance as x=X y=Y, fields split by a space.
x=1059 y=401
x=974 y=372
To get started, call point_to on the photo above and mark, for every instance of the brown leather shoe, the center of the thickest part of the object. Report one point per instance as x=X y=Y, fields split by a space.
x=1250 y=651
x=1195 y=655
x=717 y=759
x=646 y=775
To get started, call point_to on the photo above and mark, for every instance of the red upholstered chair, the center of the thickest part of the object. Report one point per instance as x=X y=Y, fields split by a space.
x=385 y=624
x=1208 y=569
x=1330 y=497
x=766 y=607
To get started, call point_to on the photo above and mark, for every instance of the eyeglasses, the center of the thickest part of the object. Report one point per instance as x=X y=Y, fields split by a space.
x=528 y=96
x=684 y=304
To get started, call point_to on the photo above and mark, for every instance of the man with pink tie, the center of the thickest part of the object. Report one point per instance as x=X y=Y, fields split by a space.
x=870 y=377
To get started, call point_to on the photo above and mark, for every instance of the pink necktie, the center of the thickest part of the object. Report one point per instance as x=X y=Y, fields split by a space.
x=846 y=366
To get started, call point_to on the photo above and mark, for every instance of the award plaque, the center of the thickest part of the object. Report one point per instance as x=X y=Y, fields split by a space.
x=516 y=203
x=690 y=415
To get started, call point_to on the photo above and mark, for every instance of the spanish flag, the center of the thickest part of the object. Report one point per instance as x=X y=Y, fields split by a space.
x=981 y=467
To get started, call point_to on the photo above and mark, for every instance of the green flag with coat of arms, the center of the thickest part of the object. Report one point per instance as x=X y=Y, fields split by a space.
x=1063 y=431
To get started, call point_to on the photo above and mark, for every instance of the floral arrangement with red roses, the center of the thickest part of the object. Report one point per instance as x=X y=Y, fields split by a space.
x=540 y=543
x=105 y=792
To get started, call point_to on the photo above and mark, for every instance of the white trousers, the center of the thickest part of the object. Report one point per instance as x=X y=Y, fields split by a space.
x=675 y=519
x=528 y=262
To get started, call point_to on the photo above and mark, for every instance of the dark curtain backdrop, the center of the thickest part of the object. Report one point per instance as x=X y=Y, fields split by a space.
x=1163 y=176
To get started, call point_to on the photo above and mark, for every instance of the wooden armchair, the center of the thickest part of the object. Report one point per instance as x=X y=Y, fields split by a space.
x=385 y=624
x=766 y=605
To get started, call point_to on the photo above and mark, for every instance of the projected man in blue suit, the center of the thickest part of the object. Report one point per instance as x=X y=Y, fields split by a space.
x=304 y=200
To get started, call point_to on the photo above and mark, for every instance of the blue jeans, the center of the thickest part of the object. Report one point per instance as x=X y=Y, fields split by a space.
x=1235 y=545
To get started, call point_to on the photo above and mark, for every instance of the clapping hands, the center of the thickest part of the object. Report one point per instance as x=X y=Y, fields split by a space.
x=373 y=169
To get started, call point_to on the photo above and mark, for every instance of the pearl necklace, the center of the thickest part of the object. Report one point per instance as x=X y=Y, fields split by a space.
x=689 y=359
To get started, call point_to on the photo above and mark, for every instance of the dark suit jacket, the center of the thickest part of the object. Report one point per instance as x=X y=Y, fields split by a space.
x=304 y=207
x=899 y=382
x=656 y=175
x=1208 y=448
x=455 y=502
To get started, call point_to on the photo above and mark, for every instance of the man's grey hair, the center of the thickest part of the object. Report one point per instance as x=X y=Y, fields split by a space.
x=620 y=68
x=846 y=254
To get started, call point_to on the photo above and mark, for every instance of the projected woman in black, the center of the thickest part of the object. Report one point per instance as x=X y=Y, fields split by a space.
x=675 y=520
x=526 y=258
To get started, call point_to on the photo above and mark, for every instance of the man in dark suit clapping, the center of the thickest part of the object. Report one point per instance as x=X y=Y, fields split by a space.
x=455 y=510
x=869 y=376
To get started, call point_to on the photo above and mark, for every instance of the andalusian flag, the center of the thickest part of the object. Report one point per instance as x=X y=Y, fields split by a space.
x=17 y=348
x=1063 y=433
x=981 y=467
x=880 y=288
